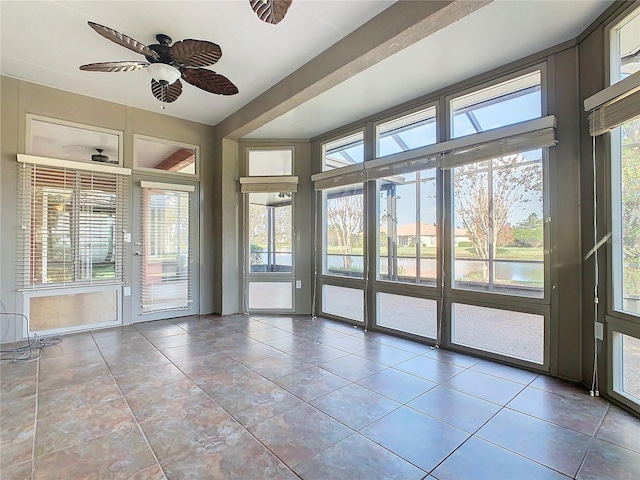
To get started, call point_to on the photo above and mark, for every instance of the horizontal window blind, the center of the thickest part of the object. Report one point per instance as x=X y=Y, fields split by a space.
x=339 y=178
x=614 y=105
x=288 y=184
x=375 y=172
x=165 y=275
x=72 y=224
x=499 y=148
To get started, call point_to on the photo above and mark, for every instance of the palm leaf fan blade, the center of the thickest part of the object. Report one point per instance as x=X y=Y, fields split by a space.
x=166 y=93
x=209 y=81
x=270 y=11
x=195 y=53
x=123 y=40
x=114 y=66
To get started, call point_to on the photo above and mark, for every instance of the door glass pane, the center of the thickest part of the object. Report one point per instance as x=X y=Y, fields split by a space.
x=343 y=231
x=625 y=172
x=498 y=237
x=408 y=314
x=514 y=334
x=166 y=280
x=408 y=233
x=270 y=232
x=343 y=302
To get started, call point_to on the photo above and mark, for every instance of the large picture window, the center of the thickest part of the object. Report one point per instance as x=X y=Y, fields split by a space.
x=408 y=233
x=498 y=234
x=625 y=195
x=344 y=231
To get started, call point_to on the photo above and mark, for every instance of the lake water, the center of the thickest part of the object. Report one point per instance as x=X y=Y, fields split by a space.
x=526 y=273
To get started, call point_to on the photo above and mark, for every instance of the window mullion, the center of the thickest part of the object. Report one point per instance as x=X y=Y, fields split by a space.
x=491 y=240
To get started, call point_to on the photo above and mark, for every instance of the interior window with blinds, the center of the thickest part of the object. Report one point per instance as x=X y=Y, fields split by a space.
x=72 y=223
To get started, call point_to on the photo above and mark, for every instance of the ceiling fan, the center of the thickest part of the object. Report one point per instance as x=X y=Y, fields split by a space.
x=168 y=63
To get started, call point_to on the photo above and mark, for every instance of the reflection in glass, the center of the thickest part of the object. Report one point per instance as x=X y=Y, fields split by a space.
x=270 y=232
x=408 y=233
x=499 y=232
x=72 y=142
x=343 y=231
x=164 y=156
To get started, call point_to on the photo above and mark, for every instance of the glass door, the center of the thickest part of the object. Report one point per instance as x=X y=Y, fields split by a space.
x=165 y=251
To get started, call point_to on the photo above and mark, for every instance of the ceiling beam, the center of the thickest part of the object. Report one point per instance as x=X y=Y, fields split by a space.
x=399 y=26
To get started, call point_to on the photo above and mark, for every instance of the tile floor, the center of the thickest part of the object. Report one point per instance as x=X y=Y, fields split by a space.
x=280 y=398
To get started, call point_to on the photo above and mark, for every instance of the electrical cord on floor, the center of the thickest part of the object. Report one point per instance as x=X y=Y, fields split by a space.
x=25 y=352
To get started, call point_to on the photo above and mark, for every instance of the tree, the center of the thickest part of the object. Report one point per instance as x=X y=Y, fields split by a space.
x=344 y=220
x=529 y=232
x=630 y=192
x=485 y=212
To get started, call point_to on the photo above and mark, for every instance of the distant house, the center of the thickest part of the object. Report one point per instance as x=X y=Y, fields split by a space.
x=407 y=235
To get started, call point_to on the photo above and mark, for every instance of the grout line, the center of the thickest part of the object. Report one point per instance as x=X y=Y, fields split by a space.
x=592 y=440
x=132 y=415
x=35 y=419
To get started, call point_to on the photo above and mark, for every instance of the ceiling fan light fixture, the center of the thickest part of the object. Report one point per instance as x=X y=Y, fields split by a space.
x=163 y=73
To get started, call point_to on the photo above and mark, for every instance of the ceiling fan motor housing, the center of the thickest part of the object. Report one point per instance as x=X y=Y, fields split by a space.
x=99 y=157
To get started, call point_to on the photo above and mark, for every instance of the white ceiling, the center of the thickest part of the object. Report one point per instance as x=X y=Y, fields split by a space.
x=45 y=42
